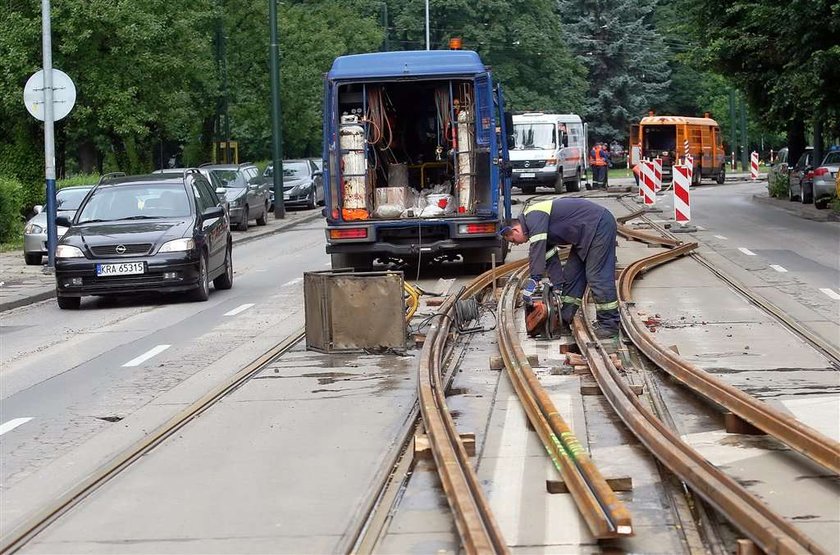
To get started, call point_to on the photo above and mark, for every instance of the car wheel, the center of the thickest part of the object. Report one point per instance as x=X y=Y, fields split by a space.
x=574 y=185
x=558 y=183
x=528 y=189
x=32 y=259
x=822 y=202
x=806 y=194
x=721 y=177
x=791 y=196
x=243 y=225
x=202 y=292
x=310 y=202
x=262 y=220
x=69 y=303
x=225 y=281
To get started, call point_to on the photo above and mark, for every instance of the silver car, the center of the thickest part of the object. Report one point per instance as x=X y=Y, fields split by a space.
x=824 y=179
x=67 y=201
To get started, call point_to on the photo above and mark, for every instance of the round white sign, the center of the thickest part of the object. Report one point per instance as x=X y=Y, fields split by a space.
x=64 y=94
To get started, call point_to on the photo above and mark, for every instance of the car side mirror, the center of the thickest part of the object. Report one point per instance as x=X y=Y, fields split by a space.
x=37 y=208
x=221 y=190
x=213 y=212
x=318 y=173
x=63 y=221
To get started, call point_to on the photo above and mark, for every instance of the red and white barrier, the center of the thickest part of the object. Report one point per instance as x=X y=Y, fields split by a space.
x=682 y=196
x=657 y=174
x=754 y=165
x=686 y=150
x=647 y=183
x=689 y=163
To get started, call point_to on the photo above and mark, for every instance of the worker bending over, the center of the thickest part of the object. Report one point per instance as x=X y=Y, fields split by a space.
x=590 y=229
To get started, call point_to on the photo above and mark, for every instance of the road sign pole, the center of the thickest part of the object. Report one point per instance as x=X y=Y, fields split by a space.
x=49 y=132
x=276 y=114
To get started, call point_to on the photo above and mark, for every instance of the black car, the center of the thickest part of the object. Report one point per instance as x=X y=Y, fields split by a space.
x=244 y=189
x=303 y=183
x=147 y=233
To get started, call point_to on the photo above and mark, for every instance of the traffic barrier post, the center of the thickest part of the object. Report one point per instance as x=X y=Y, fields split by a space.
x=657 y=174
x=754 y=165
x=682 y=199
x=647 y=184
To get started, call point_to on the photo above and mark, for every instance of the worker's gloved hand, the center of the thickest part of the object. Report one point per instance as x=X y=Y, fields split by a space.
x=529 y=289
x=545 y=283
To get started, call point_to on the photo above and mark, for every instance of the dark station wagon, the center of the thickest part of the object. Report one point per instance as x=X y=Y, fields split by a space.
x=148 y=233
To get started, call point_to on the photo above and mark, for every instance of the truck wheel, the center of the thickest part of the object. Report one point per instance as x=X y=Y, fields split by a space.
x=721 y=177
x=528 y=189
x=695 y=176
x=360 y=262
x=573 y=186
x=558 y=183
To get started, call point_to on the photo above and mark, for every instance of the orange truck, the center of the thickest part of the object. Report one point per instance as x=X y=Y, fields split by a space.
x=664 y=137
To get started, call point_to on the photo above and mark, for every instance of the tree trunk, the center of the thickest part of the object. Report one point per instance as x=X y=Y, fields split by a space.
x=88 y=157
x=796 y=140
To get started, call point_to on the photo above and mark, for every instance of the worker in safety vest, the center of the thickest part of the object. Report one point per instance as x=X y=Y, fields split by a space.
x=590 y=229
x=599 y=159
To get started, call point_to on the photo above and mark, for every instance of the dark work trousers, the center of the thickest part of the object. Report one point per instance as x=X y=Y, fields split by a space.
x=599 y=176
x=598 y=271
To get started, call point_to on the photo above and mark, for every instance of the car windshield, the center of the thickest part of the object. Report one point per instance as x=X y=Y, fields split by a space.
x=295 y=170
x=229 y=178
x=70 y=199
x=136 y=202
x=534 y=135
x=832 y=158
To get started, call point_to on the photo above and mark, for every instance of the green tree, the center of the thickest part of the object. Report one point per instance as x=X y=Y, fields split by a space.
x=626 y=57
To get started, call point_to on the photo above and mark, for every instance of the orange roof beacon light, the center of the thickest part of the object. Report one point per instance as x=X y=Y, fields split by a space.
x=455 y=43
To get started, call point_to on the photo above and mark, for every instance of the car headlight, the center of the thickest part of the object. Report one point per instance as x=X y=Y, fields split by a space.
x=68 y=251
x=235 y=203
x=178 y=245
x=33 y=229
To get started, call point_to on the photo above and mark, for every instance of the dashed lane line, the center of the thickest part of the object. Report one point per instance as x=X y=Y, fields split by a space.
x=292 y=282
x=12 y=424
x=722 y=237
x=778 y=268
x=832 y=294
x=238 y=309
x=146 y=356
x=748 y=252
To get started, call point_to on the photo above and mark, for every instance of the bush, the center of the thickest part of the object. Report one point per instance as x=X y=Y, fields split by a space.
x=779 y=186
x=10 y=206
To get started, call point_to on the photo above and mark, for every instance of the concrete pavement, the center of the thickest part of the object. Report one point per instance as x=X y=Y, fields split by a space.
x=21 y=285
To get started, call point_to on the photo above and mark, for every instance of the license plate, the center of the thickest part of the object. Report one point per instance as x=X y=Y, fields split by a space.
x=527 y=175
x=122 y=269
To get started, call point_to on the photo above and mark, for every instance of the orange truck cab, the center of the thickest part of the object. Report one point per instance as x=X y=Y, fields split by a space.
x=664 y=137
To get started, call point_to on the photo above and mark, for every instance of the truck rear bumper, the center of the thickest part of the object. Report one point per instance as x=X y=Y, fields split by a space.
x=431 y=248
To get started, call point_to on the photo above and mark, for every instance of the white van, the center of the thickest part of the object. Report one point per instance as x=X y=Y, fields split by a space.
x=550 y=150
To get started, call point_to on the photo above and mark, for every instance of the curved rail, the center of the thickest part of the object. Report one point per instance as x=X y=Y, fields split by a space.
x=605 y=515
x=785 y=428
x=475 y=522
x=771 y=532
x=18 y=537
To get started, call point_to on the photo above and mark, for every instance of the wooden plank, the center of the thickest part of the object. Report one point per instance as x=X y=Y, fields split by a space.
x=619 y=483
x=736 y=425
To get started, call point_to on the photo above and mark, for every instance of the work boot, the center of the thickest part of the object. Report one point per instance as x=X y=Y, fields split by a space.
x=604 y=333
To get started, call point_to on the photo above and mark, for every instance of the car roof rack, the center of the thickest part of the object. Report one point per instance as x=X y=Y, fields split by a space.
x=110 y=175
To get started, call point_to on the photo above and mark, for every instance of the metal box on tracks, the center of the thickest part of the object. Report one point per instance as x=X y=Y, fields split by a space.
x=349 y=311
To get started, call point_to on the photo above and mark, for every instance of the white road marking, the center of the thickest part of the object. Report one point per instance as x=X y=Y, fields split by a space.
x=12 y=424
x=292 y=282
x=721 y=237
x=238 y=309
x=778 y=268
x=700 y=228
x=748 y=252
x=328 y=264
x=831 y=293
x=147 y=355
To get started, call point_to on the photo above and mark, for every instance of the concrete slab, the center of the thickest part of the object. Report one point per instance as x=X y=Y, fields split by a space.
x=768 y=471
x=821 y=412
x=691 y=305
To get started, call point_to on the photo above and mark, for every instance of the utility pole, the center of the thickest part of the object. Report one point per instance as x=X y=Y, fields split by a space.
x=386 y=46
x=276 y=114
x=744 y=139
x=49 y=132
x=427 y=26
x=733 y=129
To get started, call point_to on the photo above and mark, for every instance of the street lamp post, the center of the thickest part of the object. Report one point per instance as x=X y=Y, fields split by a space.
x=276 y=115
x=427 y=25
x=49 y=132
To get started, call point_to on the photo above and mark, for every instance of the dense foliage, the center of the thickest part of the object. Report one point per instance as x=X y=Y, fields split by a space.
x=155 y=78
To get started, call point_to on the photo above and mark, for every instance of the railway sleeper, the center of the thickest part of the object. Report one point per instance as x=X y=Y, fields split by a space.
x=618 y=483
x=423 y=447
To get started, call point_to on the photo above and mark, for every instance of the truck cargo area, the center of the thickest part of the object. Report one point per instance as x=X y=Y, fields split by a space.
x=412 y=149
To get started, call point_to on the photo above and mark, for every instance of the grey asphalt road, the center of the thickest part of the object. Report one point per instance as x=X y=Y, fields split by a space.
x=67 y=375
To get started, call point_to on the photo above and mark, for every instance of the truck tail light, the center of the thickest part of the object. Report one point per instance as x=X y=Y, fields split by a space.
x=477 y=228
x=820 y=171
x=349 y=233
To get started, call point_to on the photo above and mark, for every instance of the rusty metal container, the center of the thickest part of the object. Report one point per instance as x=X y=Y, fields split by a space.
x=348 y=311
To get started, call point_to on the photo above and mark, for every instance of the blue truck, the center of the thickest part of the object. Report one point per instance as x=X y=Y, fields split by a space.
x=416 y=165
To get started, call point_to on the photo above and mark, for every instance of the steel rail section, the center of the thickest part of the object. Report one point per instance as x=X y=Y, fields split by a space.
x=828 y=349
x=474 y=520
x=769 y=531
x=798 y=436
x=605 y=515
x=22 y=534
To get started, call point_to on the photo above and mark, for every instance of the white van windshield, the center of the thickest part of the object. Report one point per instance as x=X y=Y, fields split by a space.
x=535 y=135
